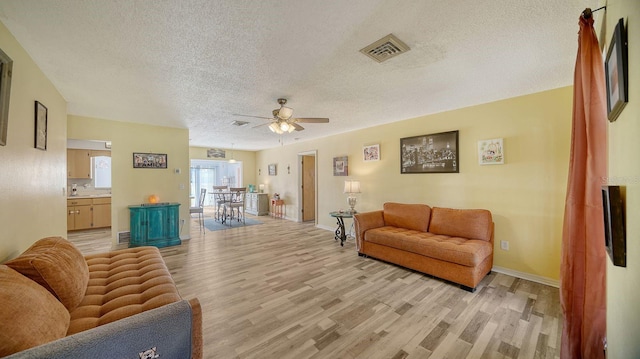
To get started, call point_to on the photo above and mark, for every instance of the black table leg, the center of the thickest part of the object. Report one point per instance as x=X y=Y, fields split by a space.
x=340 y=232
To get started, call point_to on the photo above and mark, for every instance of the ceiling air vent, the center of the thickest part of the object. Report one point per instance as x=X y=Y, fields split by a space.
x=239 y=123
x=385 y=48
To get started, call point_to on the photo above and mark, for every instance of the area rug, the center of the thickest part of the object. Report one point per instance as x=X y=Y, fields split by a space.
x=213 y=225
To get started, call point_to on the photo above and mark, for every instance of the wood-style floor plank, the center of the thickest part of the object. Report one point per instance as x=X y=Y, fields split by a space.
x=288 y=290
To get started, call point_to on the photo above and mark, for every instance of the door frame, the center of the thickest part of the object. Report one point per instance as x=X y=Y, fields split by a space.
x=313 y=153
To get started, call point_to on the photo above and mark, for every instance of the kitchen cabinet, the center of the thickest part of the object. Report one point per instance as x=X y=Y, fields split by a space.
x=154 y=225
x=78 y=163
x=79 y=214
x=257 y=204
x=85 y=213
x=101 y=212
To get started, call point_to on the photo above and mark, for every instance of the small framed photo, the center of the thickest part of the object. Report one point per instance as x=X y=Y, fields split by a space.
x=491 y=152
x=341 y=166
x=371 y=153
x=149 y=160
x=616 y=72
x=216 y=153
x=434 y=153
x=40 y=141
x=273 y=169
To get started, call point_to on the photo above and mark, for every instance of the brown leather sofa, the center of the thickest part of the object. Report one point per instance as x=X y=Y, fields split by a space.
x=56 y=303
x=452 y=244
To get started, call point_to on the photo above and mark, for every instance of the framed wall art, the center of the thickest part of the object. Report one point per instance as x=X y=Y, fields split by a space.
x=216 y=153
x=273 y=169
x=149 y=160
x=40 y=141
x=434 y=153
x=491 y=152
x=341 y=166
x=371 y=153
x=616 y=72
x=6 y=65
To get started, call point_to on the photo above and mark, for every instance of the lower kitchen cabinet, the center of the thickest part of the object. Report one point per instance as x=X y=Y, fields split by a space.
x=85 y=213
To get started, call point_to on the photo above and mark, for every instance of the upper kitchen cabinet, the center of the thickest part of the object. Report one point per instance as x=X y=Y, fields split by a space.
x=78 y=163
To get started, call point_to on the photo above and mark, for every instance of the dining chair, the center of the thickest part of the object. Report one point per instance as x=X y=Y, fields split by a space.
x=200 y=208
x=237 y=203
x=221 y=196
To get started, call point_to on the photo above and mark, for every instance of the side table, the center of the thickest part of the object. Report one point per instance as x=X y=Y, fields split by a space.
x=341 y=234
x=277 y=208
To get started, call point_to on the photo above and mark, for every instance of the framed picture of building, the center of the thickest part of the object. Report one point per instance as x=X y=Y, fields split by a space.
x=434 y=153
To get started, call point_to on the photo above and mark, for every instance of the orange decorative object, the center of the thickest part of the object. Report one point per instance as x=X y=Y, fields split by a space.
x=154 y=198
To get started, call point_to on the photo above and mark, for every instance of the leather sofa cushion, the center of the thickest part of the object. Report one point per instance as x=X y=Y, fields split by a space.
x=123 y=283
x=58 y=266
x=30 y=315
x=467 y=252
x=465 y=223
x=410 y=216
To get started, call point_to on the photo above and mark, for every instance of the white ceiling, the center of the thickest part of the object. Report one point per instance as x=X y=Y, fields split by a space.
x=195 y=63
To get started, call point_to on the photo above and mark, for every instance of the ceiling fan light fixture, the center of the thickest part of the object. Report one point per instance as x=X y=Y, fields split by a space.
x=284 y=126
x=285 y=113
x=275 y=128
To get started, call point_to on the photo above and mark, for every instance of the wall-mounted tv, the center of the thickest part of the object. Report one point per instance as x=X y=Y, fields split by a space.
x=614 y=229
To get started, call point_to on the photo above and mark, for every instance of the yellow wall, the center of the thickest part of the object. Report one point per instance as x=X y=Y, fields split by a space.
x=248 y=159
x=134 y=186
x=32 y=202
x=623 y=289
x=526 y=195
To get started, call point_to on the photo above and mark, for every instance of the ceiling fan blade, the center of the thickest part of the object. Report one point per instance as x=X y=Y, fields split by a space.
x=297 y=127
x=312 y=120
x=262 y=124
x=266 y=118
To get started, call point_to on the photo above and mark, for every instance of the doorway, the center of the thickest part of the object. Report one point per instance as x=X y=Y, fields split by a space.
x=308 y=186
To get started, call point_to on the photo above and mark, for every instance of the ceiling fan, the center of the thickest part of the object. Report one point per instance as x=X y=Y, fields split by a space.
x=282 y=120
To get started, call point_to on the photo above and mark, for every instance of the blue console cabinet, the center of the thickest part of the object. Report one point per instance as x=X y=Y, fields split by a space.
x=155 y=225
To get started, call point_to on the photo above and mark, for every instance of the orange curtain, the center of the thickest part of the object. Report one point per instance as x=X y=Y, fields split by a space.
x=583 y=264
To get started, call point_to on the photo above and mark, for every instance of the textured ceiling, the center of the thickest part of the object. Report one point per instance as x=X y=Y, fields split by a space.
x=195 y=63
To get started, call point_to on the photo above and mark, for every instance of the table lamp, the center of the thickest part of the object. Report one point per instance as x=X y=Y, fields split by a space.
x=352 y=187
x=261 y=187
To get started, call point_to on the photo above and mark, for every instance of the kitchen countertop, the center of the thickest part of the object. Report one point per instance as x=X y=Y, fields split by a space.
x=90 y=196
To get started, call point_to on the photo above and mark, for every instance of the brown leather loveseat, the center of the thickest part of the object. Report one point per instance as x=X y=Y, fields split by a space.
x=452 y=244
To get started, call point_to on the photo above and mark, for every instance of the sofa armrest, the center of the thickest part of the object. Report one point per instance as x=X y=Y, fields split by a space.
x=366 y=221
x=165 y=331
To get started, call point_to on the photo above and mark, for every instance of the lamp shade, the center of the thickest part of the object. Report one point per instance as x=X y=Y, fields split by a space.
x=285 y=112
x=351 y=187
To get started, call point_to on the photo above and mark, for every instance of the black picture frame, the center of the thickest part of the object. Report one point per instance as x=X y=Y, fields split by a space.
x=6 y=72
x=616 y=72
x=149 y=160
x=615 y=240
x=433 y=153
x=40 y=120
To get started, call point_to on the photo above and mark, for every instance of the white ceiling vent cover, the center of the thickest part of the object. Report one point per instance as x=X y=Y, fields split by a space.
x=385 y=48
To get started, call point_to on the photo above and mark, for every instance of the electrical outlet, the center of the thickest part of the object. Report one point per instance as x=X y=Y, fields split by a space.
x=504 y=245
x=181 y=186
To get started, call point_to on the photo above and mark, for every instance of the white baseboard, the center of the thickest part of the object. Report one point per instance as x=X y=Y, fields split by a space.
x=332 y=229
x=527 y=276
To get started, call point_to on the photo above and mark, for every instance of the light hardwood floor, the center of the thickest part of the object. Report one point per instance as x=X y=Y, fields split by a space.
x=288 y=290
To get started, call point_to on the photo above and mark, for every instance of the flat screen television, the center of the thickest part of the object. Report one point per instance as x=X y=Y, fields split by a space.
x=614 y=229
